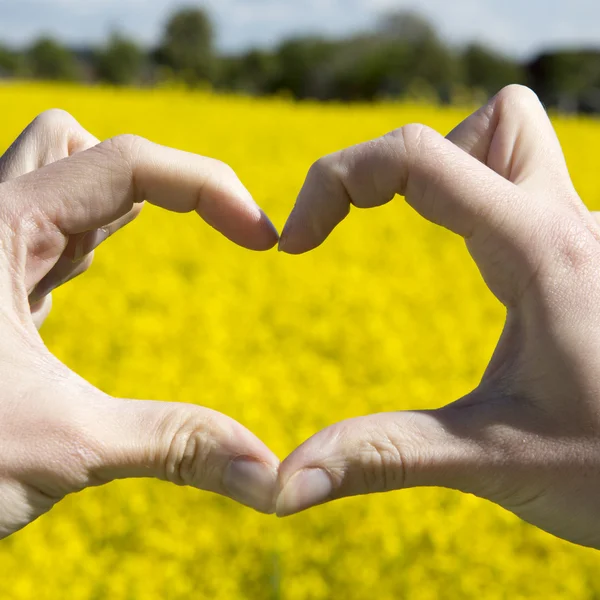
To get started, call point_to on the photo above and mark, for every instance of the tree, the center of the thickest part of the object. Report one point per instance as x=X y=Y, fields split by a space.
x=187 y=46
x=433 y=62
x=567 y=79
x=489 y=71
x=10 y=62
x=303 y=67
x=405 y=26
x=47 y=59
x=415 y=56
x=252 y=72
x=121 y=62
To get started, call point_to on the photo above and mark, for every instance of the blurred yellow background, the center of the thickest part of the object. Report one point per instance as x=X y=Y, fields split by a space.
x=390 y=313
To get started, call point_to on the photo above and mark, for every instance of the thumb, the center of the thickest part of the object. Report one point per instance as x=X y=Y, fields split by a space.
x=389 y=451
x=186 y=445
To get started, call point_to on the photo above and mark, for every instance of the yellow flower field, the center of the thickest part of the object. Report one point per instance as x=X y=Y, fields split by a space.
x=390 y=313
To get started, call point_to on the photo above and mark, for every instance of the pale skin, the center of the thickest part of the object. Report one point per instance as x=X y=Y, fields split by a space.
x=527 y=438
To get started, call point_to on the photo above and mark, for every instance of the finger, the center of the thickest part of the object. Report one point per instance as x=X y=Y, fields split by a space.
x=444 y=184
x=391 y=451
x=98 y=186
x=508 y=231
x=184 y=444
x=63 y=271
x=513 y=135
x=78 y=256
x=83 y=243
x=51 y=136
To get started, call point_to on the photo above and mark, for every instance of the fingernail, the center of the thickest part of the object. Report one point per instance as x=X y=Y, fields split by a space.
x=268 y=221
x=282 y=240
x=35 y=297
x=252 y=483
x=78 y=252
x=47 y=285
x=305 y=489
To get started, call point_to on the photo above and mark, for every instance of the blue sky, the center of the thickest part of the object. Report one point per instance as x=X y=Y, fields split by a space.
x=518 y=27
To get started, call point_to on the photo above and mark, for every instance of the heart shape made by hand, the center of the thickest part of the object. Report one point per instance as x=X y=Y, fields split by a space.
x=526 y=438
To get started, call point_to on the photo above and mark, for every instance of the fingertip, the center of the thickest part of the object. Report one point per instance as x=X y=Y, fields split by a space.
x=248 y=226
x=258 y=237
x=310 y=223
x=270 y=233
x=295 y=248
x=262 y=233
x=290 y=243
x=304 y=489
x=252 y=483
x=282 y=243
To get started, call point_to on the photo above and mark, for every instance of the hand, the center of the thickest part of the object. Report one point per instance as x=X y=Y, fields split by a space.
x=59 y=434
x=528 y=437
x=52 y=136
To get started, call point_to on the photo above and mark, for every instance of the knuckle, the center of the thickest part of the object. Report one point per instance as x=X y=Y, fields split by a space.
x=121 y=155
x=222 y=171
x=411 y=137
x=384 y=463
x=575 y=246
x=326 y=176
x=323 y=170
x=409 y=142
x=52 y=120
x=518 y=96
x=188 y=458
x=37 y=234
x=224 y=168
x=53 y=135
x=418 y=144
x=124 y=146
x=375 y=462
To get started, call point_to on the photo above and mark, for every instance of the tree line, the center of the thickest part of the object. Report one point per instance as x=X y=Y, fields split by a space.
x=402 y=56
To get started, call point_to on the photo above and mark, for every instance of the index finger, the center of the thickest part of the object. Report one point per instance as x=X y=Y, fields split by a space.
x=98 y=186
x=514 y=236
x=442 y=182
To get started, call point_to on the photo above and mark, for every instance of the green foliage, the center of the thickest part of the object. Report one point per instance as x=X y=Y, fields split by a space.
x=489 y=71
x=367 y=67
x=47 y=59
x=568 y=79
x=187 y=46
x=121 y=62
x=401 y=57
x=302 y=67
x=570 y=71
x=253 y=72
x=406 y=27
x=388 y=62
x=11 y=63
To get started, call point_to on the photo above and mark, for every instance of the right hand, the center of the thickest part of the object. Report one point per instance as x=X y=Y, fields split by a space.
x=528 y=437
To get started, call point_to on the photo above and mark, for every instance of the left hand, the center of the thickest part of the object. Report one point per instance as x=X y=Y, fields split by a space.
x=58 y=433
x=50 y=137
